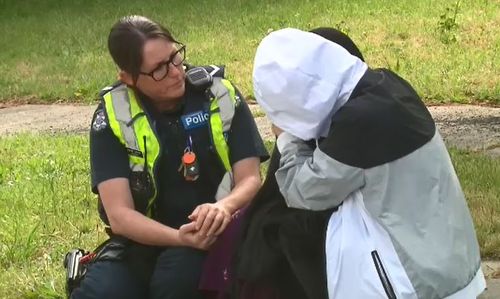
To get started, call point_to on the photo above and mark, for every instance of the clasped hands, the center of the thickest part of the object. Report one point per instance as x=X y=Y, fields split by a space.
x=208 y=221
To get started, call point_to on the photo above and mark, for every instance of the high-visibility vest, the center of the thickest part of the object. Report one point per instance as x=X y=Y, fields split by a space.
x=133 y=127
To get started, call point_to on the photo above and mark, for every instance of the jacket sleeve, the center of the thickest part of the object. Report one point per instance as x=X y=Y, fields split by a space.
x=310 y=179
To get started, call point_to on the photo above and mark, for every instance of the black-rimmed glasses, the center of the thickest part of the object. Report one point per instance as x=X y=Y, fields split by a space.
x=161 y=71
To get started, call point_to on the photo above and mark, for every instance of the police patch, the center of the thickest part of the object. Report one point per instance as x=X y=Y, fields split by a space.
x=99 y=121
x=194 y=120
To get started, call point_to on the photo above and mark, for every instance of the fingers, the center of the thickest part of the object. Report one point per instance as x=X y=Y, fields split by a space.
x=188 y=227
x=223 y=226
x=194 y=214
x=209 y=220
x=201 y=214
x=194 y=239
x=216 y=224
x=208 y=242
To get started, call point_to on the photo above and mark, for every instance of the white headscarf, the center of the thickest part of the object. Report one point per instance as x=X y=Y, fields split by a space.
x=301 y=79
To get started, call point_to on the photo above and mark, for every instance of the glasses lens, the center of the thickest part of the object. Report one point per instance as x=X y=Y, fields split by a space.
x=161 y=72
x=179 y=56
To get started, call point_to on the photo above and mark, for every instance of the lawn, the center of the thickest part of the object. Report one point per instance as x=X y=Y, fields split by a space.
x=55 y=51
x=47 y=208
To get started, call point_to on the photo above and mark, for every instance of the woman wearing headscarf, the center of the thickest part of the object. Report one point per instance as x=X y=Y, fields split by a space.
x=288 y=243
x=402 y=228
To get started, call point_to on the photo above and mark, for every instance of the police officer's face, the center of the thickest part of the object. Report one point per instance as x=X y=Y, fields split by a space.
x=156 y=53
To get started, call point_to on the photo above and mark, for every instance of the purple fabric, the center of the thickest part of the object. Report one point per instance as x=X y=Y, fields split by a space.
x=215 y=275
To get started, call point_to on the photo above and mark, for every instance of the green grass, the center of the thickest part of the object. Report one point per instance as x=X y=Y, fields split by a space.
x=258 y=113
x=56 y=50
x=47 y=208
x=480 y=177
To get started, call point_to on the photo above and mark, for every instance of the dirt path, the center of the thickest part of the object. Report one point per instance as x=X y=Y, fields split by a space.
x=463 y=126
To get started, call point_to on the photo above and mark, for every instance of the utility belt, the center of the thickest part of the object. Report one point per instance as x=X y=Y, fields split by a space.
x=77 y=261
x=140 y=259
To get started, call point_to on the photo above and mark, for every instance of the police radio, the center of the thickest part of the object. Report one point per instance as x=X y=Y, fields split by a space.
x=199 y=77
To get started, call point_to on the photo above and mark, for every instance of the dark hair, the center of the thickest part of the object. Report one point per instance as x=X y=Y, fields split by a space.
x=127 y=38
x=340 y=39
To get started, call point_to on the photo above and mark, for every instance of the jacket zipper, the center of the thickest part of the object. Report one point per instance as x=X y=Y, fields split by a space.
x=389 y=291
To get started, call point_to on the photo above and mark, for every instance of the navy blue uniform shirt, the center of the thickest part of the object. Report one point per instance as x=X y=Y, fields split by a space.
x=177 y=197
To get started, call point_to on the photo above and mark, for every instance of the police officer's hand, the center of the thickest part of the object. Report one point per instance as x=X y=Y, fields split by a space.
x=191 y=237
x=211 y=218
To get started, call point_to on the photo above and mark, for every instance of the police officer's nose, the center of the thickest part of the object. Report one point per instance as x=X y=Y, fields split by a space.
x=173 y=70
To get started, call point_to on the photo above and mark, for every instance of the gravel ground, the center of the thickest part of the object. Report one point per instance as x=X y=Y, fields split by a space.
x=464 y=126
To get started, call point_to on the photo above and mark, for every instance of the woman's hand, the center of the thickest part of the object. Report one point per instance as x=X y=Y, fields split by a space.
x=211 y=219
x=191 y=237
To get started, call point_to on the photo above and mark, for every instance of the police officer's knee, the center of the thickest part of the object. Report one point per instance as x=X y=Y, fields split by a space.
x=177 y=274
x=108 y=280
x=182 y=286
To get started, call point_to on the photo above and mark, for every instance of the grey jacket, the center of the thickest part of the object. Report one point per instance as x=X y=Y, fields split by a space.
x=384 y=143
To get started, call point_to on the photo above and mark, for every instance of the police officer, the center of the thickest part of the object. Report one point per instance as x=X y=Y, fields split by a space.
x=171 y=160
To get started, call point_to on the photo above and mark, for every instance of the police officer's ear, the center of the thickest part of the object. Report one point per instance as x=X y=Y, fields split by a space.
x=126 y=78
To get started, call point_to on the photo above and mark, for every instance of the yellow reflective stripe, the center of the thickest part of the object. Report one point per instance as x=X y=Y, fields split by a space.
x=153 y=151
x=143 y=128
x=134 y=105
x=218 y=135
x=230 y=88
